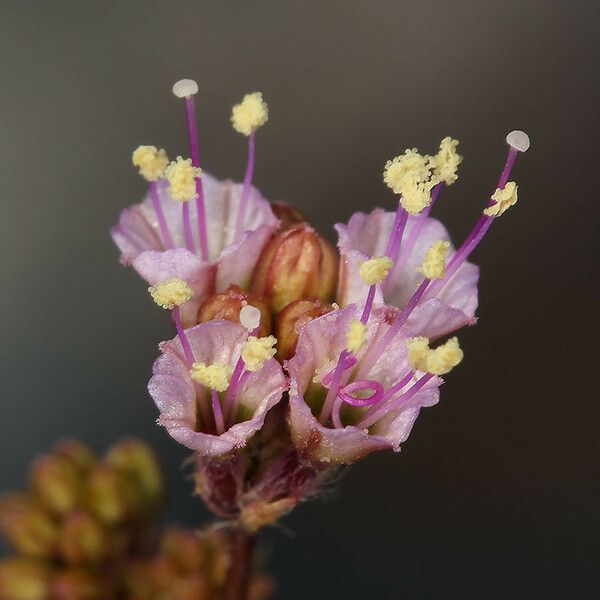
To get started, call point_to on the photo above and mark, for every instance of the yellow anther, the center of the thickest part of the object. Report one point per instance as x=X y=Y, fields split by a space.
x=215 y=376
x=505 y=198
x=170 y=293
x=434 y=263
x=250 y=113
x=447 y=161
x=150 y=161
x=416 y=195
x=439 y=361
x=356 y=336
x=181 y=175
x=375 y=270
x=257 y=350
x=411 y=164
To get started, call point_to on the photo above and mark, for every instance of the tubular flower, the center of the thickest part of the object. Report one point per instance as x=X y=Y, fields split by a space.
x=138 y=236
x=366 y=235
x=184 y=394
x=338 y=420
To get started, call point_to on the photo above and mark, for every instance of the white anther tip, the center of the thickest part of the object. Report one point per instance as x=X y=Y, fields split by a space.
x=185 y=87
x=519 y=140
x=250 y=317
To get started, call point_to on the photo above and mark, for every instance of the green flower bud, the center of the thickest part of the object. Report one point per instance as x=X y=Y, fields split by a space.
x=110 y=495
x=77 y=453
x=83 y=540
x=24 y=579
x=57 y=483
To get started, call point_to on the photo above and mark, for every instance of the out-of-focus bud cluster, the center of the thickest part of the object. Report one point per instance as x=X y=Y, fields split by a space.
x=82 y=518
x=190 y=566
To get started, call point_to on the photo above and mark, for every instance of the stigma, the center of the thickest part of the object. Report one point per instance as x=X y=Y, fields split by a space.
x=181 y=176
x=171 y=293
x=250 y=114
x=216 y=377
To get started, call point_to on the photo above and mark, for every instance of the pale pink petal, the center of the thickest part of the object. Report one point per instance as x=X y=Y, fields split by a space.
x=176 y=395
x=365 y=236
x=319 y=345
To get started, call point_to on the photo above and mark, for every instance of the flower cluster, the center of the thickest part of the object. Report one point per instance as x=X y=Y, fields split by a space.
x=292 y=358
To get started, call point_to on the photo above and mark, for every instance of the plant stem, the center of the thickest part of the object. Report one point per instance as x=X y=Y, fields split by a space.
x=238 y=578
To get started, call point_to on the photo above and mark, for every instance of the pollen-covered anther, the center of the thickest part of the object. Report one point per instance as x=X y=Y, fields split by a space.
x=356 y=336
x=434 y=263
x=214 y=376
x=504 y=198
x=416 y=195
x=181 y=176
x=257 y=350
x=171 y=293
x=447 y=161
x=438 y=361
x=375 y=270
x=411 y=164
x=250 y=114
x=150 y=161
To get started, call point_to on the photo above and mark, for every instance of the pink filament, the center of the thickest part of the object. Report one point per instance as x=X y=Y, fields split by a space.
x=217 y=412
x=185 y=344
x=237 y=372
x=368 y=305
x=160 y=217
x=334 y=386
x=241 y=216
x=195 y=152
x=187 y=226
x=393 y=247
x=344 y=396
x=375 y=413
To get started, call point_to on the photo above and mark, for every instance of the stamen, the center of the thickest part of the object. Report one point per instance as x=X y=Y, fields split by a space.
x=246 y=118
x=217 y=412
x=188 y=88
x=185 y=343
x=356 y=336
x=182 y=175
x=521 y=141
x=257 y=351
x=334 y=385
x=171 y=292
x=152 y=164
x=372 y=272
x=384 y=407
x=393 y=248
x=214 y=376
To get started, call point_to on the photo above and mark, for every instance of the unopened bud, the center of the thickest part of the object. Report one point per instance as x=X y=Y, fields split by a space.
x=137 y=462
x=184 y=548
x=290 y=321
x=193 y=587
x=27 y=527
x=80 y=585
x=228 y=304
x=296 y=263
x=24 y=579
x=259 y=514
x=57 y=482
x=110 y=496
x=287 y=214
x=83 y=540
x=219 y=552
x=77 y=453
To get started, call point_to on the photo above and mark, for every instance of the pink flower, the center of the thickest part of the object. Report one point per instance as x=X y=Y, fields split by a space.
x=185 y=405
x=367 y=235
x=336 y=432
x=138 y=236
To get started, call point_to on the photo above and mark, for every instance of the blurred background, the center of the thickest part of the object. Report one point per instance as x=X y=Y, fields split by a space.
x=496 y=492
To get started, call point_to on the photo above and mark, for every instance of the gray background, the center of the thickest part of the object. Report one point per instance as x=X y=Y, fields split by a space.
x=496 y=492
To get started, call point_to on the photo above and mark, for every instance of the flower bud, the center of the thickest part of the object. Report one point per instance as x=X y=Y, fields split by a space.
x=110 y=496
x=184 y=549
x=290 y=321
x=138 y=463
x=228 y=304
x=296 y=263
x=193 y=587
x=28 y=529
x=83 y=540
x=259 y=514
x=77 y=453
x=57 y=483
x=81 y=585
x=287 y=214
x=24 y=579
